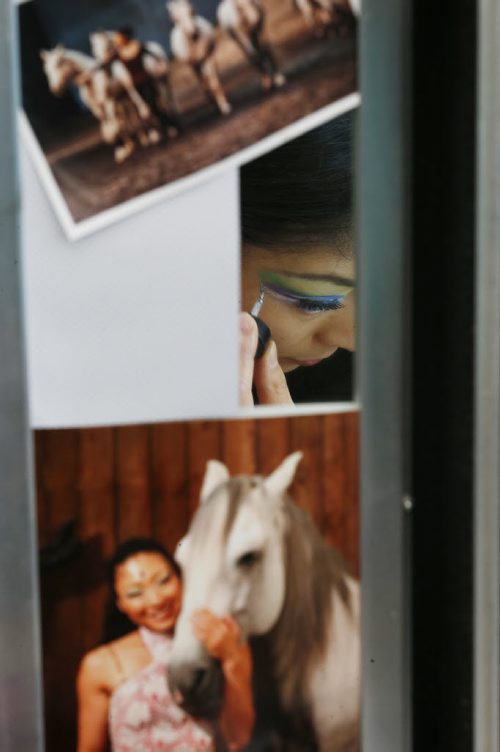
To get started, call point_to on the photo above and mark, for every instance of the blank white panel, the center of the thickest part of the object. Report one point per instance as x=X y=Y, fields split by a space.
x=137 y=323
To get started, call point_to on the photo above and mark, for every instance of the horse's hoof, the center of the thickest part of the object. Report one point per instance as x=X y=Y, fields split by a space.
x=267 y=82
x=172 y=132
x=143 y=139
x=279 y=79
x=225 y=108
x=154 y=136
x=123 y=152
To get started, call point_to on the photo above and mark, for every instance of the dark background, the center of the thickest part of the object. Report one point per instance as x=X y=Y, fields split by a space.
x=443 y=186
x=71 y=22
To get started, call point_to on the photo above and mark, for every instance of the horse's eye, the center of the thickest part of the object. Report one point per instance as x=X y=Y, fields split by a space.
x=249 y=559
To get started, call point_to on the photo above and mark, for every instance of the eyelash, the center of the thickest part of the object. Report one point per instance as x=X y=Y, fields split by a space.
x=309 y=305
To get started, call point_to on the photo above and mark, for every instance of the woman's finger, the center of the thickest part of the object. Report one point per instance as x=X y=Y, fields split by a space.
x=248 y=345
x=270 y=380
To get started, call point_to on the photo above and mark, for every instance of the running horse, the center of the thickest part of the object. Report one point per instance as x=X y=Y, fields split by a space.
x=252 y=553
x=147 y=73
x=106 y=98
x=192 y=41
x=243 y=21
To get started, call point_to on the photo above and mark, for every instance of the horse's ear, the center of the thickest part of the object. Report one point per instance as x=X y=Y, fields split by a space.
x=281 y=478
x=44 y=54
x=215 y=474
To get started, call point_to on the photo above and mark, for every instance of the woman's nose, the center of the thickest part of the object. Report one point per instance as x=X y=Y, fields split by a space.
x=152 y=596
x=336 y=330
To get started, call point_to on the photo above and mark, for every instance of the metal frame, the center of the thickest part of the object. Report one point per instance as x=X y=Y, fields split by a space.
x=386 y=724
x=487 y=396
x=20 y=667
x=383 y=374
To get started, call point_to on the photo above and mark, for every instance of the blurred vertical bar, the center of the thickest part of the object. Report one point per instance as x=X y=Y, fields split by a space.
x=383 y=201
x=487 y=389
x=20 y=669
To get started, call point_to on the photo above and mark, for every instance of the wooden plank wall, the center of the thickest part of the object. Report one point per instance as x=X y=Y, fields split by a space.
x=117 y=483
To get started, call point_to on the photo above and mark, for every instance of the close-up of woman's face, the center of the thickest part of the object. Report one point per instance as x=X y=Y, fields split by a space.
x=148 y=591
x=309 y=301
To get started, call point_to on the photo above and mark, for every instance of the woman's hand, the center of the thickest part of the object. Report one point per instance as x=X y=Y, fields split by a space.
x=265 y=373
x=221 y=637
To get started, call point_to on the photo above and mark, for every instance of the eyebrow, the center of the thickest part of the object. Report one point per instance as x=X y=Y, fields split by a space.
x=334 y=278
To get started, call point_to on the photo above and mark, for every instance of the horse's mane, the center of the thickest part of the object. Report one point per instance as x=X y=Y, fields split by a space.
x=314 y=572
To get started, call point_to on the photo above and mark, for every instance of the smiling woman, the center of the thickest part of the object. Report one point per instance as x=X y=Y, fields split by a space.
x=297 y=253
x=122 y=684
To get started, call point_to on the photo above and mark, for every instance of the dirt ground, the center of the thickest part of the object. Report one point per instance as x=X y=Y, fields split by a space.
x=318 y=71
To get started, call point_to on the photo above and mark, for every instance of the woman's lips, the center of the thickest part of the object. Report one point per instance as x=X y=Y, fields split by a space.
x=161 y=614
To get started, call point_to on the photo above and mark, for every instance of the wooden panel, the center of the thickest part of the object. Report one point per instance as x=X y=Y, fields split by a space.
x=340 y=511
x=58 y=466
x=97 y=525
x=132 y=482
x=307 y=490
x=204 y=444
x=351 y=485
x=273 y=443
x=238 y=446
x=170 y=482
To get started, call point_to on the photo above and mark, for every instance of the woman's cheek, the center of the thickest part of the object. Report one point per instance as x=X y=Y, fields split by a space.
x=288 y=326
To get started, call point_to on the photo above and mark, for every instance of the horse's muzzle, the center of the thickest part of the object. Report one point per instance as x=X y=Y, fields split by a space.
x=197 y=688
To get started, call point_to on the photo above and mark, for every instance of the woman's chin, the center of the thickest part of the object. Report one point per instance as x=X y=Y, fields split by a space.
x=287 y=365
x=160 y=625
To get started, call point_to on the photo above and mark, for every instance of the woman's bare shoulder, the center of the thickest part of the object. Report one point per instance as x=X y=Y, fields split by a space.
x=99 y=666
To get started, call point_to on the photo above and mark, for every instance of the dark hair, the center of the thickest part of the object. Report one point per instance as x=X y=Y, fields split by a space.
x=116 y=623
x=126 y=31
x=299 y=196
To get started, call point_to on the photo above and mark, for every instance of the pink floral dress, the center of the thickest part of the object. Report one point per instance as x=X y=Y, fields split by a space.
x=143 y=717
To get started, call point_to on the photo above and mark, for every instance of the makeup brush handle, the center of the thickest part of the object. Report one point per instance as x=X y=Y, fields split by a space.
x=264 y=337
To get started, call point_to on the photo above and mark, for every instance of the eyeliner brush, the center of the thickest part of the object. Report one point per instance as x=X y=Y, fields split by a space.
x=262 y=327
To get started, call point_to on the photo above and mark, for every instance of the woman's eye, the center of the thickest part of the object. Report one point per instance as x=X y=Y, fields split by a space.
x=310 y=305
x=164 y=579
x=313 y=306
x=134 y=594
x=247 y=560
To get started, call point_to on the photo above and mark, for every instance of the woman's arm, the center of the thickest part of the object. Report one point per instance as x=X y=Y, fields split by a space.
x=222 y=639
x=93 y=703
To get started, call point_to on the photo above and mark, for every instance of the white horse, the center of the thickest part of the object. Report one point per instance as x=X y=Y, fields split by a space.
x=243 y=20
x=192 y=41
x=103 y=96
x=324 y=14
x=252 y=553
x=104 y=50
x=146 y=75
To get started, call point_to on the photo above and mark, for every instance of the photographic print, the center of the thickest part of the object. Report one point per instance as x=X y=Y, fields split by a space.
x=298 y=270
x=126 y=102
x=199 y=585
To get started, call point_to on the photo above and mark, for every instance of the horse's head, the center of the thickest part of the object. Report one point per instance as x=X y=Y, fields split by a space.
x=58 y=67
x=233 y=562
x=102 y=44
x=182 y=14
